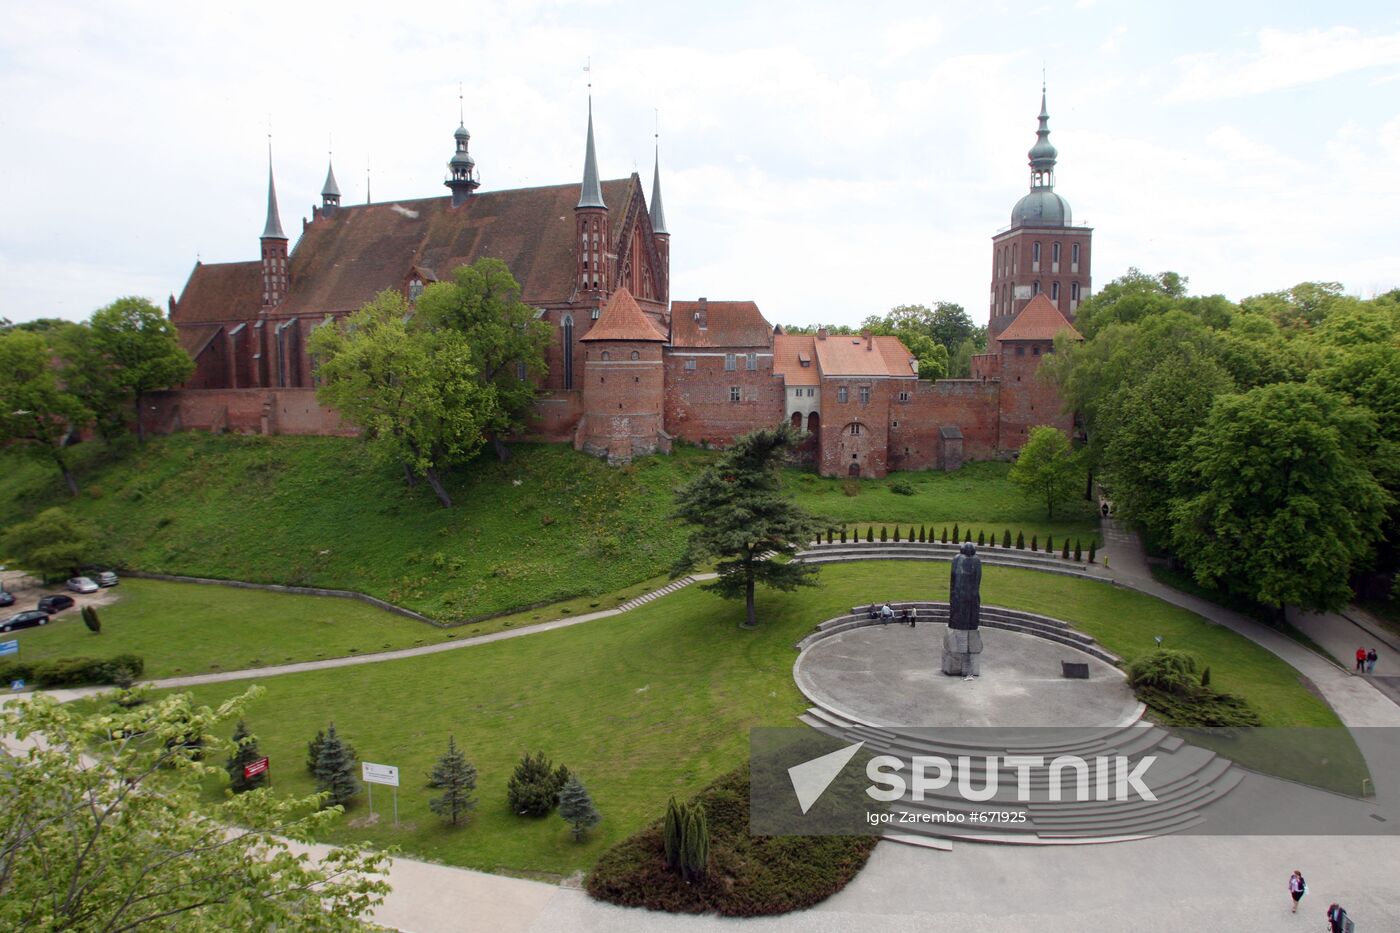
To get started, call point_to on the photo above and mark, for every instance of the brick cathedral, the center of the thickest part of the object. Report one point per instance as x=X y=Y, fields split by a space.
x=630 y=369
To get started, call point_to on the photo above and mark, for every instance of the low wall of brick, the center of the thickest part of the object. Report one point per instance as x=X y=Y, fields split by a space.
x=242 y=411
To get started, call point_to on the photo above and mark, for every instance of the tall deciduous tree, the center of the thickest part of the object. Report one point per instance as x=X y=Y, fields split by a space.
x=1279 y=506
x=742 y=518
x=51 y=544
x=124 y=351
x=37 y=411
x=1048 y=468
x=104 y=834
x=482 y=304
x=413 y=392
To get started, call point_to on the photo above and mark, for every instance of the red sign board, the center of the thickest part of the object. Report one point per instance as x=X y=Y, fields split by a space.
x=254 y=768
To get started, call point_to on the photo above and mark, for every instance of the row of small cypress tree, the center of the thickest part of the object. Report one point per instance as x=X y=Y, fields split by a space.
x=535 y=787
x=924 y=535
x=685 y=835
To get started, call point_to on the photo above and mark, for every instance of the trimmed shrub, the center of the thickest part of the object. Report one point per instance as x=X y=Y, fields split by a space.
x=1164 y=669
x=968 y=539
x=945 y=534
x=981 y=539
x=695 y=844
x=830 y=536
x=122 y=670
x=902 y=487
x=1093 y=548
x=1020 y=541
x=870 y=533
x=91 y=620
x=671 y=832
x=896 y=532
x=1035 y=542
x=922 y=534
x=1065 y=553
x=1205 y=677
x=884 y=534
x=1078 y=554
x=1049 y=544
x=534 y=787
x=843 y=534
x=1006 y=538
x=955 y=534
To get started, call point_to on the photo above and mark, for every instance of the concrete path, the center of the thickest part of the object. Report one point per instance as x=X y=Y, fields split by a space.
x=1341 y=633
x=1356 y=701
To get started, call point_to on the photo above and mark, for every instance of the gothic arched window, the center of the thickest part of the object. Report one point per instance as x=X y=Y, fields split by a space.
x=566 y=327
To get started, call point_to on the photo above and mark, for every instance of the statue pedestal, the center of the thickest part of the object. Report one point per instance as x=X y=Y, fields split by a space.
x=962 y=652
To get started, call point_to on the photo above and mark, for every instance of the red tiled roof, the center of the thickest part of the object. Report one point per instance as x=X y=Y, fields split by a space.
x=1038 y=320
x=220 y=291
x=623 y=319
x=787 y=350
x=194 y=338
x=728 y=324
x=847 y=355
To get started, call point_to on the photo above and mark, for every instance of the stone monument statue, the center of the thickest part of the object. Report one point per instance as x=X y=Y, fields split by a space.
x=962 y=645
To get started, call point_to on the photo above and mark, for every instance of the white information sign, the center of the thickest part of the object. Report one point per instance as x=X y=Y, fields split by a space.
x=379 y=774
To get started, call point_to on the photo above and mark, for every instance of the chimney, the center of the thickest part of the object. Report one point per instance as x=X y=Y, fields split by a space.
x=701 y=312
x=821 y=333
x=869 y=340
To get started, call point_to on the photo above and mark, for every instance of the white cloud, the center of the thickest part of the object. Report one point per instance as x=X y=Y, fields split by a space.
x=1282 y=60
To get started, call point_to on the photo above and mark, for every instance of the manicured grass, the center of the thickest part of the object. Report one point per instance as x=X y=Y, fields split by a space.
x=187 y=628
x=658 y=701
x=978 y=494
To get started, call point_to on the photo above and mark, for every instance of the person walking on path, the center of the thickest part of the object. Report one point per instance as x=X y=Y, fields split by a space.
x=1361 y=660
x=1297 y=887
x=1336 y=918
x=1371 y=657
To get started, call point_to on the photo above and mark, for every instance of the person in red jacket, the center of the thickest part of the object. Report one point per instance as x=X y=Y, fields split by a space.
x=1361 y=660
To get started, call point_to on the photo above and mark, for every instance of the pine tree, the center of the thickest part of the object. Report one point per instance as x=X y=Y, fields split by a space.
x=1006 y=538
x=1065 y=553
x=1049 y=544
x=884 y=534
x=456 y=778
x=955 y=534
x=1078 y=554
x=672 y=831
x=945 y=534
x=1020 y=541
x=534 y=787
x=896 y=532
x=695 y=845
x=91 y=620
x=1035 y=542
x=335 y=770
x=923 y=531
x=1093 y=548
x=576 y=807
x=981 y=539
x=870 y=533
x=313 y=751
x=245 y=752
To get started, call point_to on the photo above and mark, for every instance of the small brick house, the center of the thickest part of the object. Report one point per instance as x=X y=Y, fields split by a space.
x=629 y=370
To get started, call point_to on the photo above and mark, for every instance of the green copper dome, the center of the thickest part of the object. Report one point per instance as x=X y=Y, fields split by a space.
x=1041 y=208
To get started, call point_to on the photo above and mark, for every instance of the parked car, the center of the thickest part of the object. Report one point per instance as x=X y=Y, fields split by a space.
x=7 y=598
x=56 y=603
x=25 y=619
x=107 y=578
x=81 y=585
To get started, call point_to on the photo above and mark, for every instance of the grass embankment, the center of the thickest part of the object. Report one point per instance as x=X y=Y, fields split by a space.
x=185 y=628
x=658 y=701
x=550 y=525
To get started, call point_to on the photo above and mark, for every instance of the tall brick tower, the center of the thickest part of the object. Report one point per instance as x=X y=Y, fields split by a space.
x=591 y=226
x=1041 y=252
x=274 y=247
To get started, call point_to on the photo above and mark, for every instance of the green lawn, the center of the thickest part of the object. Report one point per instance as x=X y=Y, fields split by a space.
x=550 y=525
x=187 y=628
x=657 y=701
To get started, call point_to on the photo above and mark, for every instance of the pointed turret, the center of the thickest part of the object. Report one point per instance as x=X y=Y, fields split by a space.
x=592 y=240
x=1042 y=206
x=461 y=168
x=330 y=191
x=1042 y=154
x=274 y=246
x=658 y=212
x=660 y=236
x=591 y=194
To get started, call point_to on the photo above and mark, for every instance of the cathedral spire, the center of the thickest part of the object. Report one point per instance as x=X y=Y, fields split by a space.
x=461 y=168
x=658 y=213
x=591 y=194
x=272 y=230
x=1042 y=154
x=330 y=191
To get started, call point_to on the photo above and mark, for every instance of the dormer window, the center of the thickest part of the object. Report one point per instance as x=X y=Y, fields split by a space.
x=804 y=360
x=415 y=288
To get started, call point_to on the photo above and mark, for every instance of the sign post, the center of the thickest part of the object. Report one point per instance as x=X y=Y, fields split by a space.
x=254 y=768
x=381 y=774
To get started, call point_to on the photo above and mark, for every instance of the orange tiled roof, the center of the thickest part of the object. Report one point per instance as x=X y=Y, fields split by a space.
x=728 y=324
x=1038 y=320
x=788 y=350
x=623 y=319
x=848 y=355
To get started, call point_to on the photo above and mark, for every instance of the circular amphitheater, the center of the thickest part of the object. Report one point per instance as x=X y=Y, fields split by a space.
x=881 y=684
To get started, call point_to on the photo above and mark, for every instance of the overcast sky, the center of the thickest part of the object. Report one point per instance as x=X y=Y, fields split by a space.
x=828 y=160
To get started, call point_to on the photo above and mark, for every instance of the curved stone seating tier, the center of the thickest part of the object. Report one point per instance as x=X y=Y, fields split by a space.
x=823 y=553
x=1185 y=779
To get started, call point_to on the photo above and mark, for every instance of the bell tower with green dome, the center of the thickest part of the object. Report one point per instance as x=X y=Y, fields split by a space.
x=1041 y=251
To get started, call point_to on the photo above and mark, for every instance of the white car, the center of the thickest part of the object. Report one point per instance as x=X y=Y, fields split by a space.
x=82 y=585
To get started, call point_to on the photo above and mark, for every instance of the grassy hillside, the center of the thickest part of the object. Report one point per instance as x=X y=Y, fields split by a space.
x=550 y=525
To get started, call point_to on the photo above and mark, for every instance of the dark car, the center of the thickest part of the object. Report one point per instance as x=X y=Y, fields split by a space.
x=24 y=620
x=55 y=603
x=7 y=598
